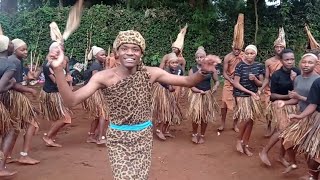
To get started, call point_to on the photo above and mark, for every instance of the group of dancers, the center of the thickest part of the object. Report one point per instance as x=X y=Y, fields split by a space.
x=122 y=93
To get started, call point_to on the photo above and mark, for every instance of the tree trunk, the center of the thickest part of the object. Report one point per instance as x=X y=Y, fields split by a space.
x=9 y=6
x=257 y=20
x=60 y=3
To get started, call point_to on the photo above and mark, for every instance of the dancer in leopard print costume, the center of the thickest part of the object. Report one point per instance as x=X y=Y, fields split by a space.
x=127 y=90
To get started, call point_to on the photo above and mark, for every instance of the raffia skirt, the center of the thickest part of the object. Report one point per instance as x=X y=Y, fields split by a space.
x=164 y=106
x=130 y=153
x=280 y=115
x=247 y=108
x=6 y=122
x=52 y=107
x=304 y=136
x=20 y=109
x=96 y=105
x=202 y=108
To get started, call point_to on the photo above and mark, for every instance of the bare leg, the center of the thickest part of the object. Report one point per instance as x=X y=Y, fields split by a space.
x=7 y=144
x=264 y=153
x=194 y=132
x=235 y=125
x=224 y=111
x=270 y=131
x=101 y=126
x=26 y=147
x=246 y=137
x=282 y=154
x=159 y=132
x=292 y=156
x=166 y=131
x=52 y=133
x=203 y=131
x=239 y=145
x=91 y=135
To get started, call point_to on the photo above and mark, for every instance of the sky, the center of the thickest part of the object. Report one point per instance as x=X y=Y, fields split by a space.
x=273 y=3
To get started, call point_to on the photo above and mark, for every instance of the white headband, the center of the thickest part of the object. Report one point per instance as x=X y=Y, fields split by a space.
x=309 y=54
x=252 y=47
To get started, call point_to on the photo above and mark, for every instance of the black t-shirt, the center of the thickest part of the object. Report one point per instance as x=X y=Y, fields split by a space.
x=18 y=75
x=95 y=66
x=178 y=71
x=205 y=84
x=243 y=70
x=6 y=66
x=49 y=86
x=314 y=94
x=281 y=82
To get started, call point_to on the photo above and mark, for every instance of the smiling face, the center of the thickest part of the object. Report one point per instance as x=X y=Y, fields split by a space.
x=129 y=55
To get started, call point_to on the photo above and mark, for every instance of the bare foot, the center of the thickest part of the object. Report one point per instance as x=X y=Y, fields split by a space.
x=194 y=138
x=264 y=158
x=168 y=134
x=306 y=177
x=5 y=174
x=11 y=160
x=290 y=168
x=221 y=128
x=49 y=142
x=101 y=142
x=239 y=146
x=91 y=140
x=201 y=139
x=27 y=160
x=269 y=132
x=160 y=135
x=247 y=151
x=283 y=161
x=236 y=129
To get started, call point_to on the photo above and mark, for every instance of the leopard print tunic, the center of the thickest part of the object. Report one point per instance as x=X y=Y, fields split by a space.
x=129 y=102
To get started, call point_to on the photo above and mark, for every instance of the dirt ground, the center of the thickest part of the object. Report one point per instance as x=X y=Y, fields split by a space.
x=175 y=159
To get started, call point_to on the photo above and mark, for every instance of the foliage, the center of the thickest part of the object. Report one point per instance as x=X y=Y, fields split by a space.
x=210 y=25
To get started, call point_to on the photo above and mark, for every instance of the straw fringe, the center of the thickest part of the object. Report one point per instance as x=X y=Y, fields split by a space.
x=96 y=105
x=247 y=108
x=51 y=106
x=19 y=108
x=6 y=123
x=305 y=135
x=203 y=108
x=280 y=115
x=164 y=106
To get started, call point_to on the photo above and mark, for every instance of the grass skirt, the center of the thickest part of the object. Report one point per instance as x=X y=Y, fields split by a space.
x=96 y=105
x=52 y=107
x=247 y=108
x=202 y=108
x=164 y=106
x=20 y=109
x=280 y=115
x=304 y=135
x=6 y=123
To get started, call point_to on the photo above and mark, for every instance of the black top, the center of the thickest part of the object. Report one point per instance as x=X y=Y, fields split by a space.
x=205 y=84
x=314 y=94
x=281 y=82
x=49 y=86
x=178 y=71
x=6 y=66
x=95 y=66
x=243 y=70
x=18 y=75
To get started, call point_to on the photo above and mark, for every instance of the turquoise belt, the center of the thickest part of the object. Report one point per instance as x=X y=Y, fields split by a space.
x=134 y=127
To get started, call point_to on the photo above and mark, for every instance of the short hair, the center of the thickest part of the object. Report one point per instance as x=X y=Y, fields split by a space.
x=285 y=51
